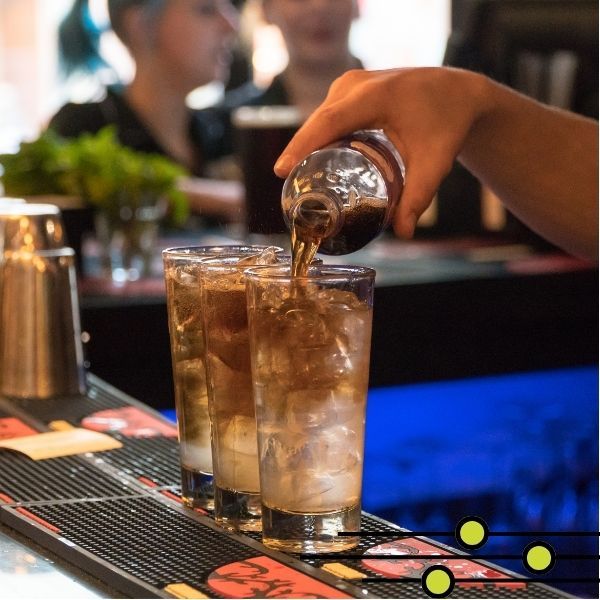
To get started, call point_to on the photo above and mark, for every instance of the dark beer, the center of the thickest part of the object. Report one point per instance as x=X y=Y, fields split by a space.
x=261 y=134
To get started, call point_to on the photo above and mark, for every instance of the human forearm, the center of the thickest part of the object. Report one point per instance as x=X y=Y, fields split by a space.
x=542 y=162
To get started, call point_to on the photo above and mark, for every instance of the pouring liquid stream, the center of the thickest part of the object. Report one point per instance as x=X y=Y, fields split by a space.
x=310 y=224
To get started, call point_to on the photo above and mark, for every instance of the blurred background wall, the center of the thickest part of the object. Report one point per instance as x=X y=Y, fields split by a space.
x=388 y=34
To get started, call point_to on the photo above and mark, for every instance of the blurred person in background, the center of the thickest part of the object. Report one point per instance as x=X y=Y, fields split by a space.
x=316 y=35
x=176 y=46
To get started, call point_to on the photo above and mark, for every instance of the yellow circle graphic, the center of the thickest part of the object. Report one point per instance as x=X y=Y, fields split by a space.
x=538 y=557
x=472 y=533
x=437 y=581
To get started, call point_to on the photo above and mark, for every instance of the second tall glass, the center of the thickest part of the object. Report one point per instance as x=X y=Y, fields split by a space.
x=182 y=271
x=230 y=399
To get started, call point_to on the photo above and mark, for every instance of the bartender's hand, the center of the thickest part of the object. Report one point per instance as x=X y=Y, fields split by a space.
x=422 y=111
x=542 y=162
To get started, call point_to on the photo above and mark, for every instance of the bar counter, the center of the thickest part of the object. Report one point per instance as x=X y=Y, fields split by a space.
x=111 y=524
x=115 y=527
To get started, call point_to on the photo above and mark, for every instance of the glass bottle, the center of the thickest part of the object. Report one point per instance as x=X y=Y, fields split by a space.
x=344 y=195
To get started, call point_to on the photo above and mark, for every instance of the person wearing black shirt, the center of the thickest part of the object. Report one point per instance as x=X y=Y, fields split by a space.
x=177 y=46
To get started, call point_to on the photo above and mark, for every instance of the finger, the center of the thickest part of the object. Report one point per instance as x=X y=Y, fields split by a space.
x=330 y=122
x=352 y=102
x=423 y=178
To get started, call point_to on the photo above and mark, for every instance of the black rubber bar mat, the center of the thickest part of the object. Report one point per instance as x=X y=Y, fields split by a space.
x=117 y=515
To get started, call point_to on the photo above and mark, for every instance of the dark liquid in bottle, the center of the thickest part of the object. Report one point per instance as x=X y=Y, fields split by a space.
x=362 y=216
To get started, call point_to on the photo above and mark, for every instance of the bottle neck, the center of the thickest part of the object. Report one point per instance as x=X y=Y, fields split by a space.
x=317 y=214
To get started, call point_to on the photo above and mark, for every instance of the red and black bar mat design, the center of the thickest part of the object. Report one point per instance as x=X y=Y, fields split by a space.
x=114 y=515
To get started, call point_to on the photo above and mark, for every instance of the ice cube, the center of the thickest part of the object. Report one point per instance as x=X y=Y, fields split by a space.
x=231 y=349
x=189 y=343
x=303 y=325
x=315 y=408
x=186 y=311
x=277 y=455
x=317 y=471
x=305 y=350
x=238 y=472
x=319 y=367
x=299 y=490
x=238 y=455
x=268 y=256
x=191 y=379
x=353 y=331
x=274 y=296
x=287 y=451
x=345 y=491
x=329 y=297
x=183 y=277
x=308 y=409
x=313 y=491
x=239 y=435
x=225 y=381
x=330 y=451
x=335 y=450
x=310 y=485
x=196 y=457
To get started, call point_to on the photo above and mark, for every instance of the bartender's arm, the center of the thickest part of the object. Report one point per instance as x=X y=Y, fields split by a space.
x=542 y=162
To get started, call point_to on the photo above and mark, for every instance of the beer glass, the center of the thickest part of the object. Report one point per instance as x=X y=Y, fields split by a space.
x=181 y=269
x=310 y=341
x=261 y=134
x=230 y=401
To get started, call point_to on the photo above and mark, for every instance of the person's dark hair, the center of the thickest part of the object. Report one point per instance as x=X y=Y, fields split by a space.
x=79 y=36
x=79 y=40
x=116 y=8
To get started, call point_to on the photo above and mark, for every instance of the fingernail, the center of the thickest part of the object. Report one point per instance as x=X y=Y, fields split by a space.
x=284 y=165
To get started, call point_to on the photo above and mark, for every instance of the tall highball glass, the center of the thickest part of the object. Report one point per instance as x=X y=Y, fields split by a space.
x=181 y=269
x=310 y=340
x=230 y=400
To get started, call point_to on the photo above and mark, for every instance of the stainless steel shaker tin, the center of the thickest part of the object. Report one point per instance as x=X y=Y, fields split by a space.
x=30 y=226
x=41 y=351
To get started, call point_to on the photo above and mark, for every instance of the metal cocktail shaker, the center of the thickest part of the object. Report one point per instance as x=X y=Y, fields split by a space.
x=29 y=226
x=41 y=353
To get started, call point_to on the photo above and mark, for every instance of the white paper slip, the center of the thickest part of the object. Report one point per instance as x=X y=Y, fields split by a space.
x=61 y=443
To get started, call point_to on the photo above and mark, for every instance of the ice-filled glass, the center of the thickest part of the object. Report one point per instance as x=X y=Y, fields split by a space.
x=230 y=400
x=181 y=269
x=310 y=341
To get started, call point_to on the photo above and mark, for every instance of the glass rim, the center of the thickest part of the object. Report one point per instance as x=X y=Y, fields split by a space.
x=200 y=251
x=324 y=272
x=230 y=263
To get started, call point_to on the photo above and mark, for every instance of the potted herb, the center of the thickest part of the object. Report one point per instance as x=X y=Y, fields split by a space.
x=130 y=192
